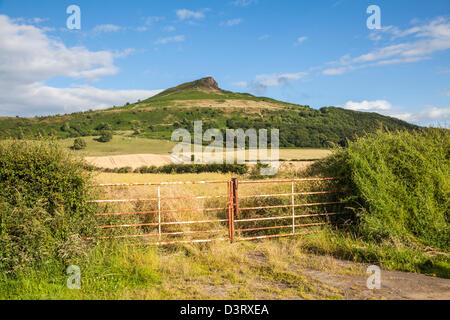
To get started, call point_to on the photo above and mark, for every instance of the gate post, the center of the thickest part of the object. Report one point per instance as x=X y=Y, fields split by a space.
x=235 y=196
x=234 y=206
x=230 y=205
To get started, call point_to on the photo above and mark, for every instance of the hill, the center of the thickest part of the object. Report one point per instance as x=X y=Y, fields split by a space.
x=179 y=107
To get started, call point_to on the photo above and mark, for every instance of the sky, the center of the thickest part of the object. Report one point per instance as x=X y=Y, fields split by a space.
x=316 y=53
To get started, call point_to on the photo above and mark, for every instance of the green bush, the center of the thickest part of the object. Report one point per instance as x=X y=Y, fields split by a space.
x=400 y=184
x=43 y=210
x=105 y=136
x=79 y=144
x=194 y=168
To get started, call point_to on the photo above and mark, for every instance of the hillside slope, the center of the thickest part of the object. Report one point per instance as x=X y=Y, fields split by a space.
x=179 y=107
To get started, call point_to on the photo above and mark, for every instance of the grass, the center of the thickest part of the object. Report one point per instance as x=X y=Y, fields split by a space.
x=270 y=270
x=389 y=255
x=121 y=145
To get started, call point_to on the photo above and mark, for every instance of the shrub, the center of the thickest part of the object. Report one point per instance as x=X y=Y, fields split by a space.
x=106 y=136
x=192 y=168
x=400 y=183
x=79 y=144
x=103 y=127
x=43 y=208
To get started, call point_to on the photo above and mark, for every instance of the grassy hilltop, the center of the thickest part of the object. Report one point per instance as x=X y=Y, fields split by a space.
x=178 y=107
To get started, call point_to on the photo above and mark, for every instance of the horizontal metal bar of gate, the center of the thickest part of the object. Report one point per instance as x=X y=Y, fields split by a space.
x=286 y=180
x=156 y=199
x=287 y=194
x=282 y=227
x=159 y=211
x=162 y=234
x=290 y=217
x=293 y=205
x=158 y=183
x=275 y=236
x=162 y=223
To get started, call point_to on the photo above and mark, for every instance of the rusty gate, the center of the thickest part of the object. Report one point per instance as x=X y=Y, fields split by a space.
x=231 y=215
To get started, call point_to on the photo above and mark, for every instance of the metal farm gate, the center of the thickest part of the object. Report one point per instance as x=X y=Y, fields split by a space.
x=232 y=210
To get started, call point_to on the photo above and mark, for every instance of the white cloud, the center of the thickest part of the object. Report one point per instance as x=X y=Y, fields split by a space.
x=179 y=38
x=334 y=71
x=264 y=37
x=371 y=106
x=447 y=91
x=106 y=28
x=264 y=81
x=244 y=3
x=300 y=40
x=38 y=99
x=141 y=29
x=150 y=21
x=28 y=58
x=435 y=113
x=232 y=22
x=443 y=71
x=242 y=84
x=124 y=53
x=169 y=29
x=418 y=43
x=185 y=14
x=35 y=20
x=28 y=55
x=428 y=115
x=274 y=80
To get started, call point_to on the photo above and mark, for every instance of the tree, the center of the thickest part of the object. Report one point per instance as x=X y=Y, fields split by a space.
x=106 y=136
x=79 y=144
x=103 y=126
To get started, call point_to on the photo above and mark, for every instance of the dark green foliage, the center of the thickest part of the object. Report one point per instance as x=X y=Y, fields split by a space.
x=400 y=183
x=43 y=209
x=255 y=172
x=79 y=144
x=103 y=127
x=106 y=136
x=185 y=168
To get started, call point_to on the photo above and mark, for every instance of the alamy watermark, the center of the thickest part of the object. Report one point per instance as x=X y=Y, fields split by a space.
x=374 y=281
x=231 y=151
x=74 y=280
x=74 y=20
x=374 y=21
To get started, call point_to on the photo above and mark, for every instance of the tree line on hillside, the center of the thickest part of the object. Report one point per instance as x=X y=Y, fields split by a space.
x=299 y=126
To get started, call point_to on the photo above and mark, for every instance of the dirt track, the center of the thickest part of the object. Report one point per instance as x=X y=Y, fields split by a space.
x=395 y=285
x=346 y=279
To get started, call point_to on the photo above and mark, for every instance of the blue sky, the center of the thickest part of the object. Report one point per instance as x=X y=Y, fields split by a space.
x=318 y=53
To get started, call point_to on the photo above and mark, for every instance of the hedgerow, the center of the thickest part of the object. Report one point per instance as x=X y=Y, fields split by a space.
x=43 y=210
x=399 y=183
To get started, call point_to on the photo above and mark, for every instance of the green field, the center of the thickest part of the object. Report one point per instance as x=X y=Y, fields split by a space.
x=121 y=145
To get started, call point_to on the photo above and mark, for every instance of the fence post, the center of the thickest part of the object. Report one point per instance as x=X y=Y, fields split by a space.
x=159 y=213
x=234 y=212
x=230 y=211
x=293 y=208
x=236 y=196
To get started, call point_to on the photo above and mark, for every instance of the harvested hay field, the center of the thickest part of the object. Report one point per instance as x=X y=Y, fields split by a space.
x=130 y=160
